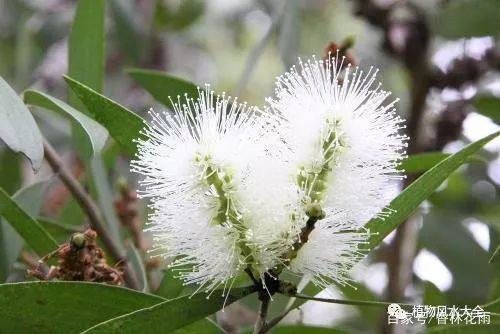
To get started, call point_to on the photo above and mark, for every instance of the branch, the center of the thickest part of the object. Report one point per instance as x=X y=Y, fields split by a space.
x=91 y=210
x=260 y=324
x=347 y=302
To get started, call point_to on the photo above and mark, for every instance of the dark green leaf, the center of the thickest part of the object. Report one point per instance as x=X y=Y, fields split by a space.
x=96 y=135
x=17 y=126
x=409 y=200
x=86 y=46
x=177 y=17
x=179 y=312
x=163 y=86
x=28 y=228
x=306 y=330
x=60 y=232
x=488 y=106
x=170 y=286
x=86 y=58
x=10 y=169
x=468 y=18
x=128 y=34
x=123 y=125
x=64 y=307
x=11 y=244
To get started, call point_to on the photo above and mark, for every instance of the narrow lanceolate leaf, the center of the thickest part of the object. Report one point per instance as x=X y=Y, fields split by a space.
x=123 y=125
x=409 y=200
x=17 y=126
x=170 y=286
x=28 y=228
x=64 y=307
x=163 y=86
x=11 y=244
x=496 y=254
x=488 y=106
x=179 y=312
x=95 y=133
x=86 y=46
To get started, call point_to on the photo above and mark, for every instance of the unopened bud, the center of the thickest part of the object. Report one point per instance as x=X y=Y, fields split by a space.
x=78 y=240
x=314 y=210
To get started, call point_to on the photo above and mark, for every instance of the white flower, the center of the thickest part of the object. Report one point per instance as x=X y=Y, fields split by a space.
x=198 y=167
x=344 y=146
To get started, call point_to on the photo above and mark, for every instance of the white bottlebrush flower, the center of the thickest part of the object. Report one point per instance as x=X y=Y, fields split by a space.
x=344 y=146
x=196 y=164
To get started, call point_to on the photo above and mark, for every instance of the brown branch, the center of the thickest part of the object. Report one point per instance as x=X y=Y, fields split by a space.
x=91 y=209
x=260 y=324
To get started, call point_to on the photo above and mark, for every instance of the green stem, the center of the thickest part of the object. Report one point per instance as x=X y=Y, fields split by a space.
x=226 y=212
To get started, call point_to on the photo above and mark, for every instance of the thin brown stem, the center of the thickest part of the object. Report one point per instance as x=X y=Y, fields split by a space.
x=260 y=324
x=91 y=210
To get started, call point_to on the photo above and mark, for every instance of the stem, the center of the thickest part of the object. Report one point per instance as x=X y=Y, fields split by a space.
x=91 y=210
x=260 y=324
x=346 y=301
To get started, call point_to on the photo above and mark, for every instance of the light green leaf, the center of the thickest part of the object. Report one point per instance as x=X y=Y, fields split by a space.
x=135 y=260
x=18 y=128
x=409 y=200
x=468 y=18
x=11 y=244
x=28 y=228
x=162 y=85
x=179 y=312
x=177 y=17
x=96 y=134
x=64 y=307
x=488 y=106
x=123 y=125
x=101 y=184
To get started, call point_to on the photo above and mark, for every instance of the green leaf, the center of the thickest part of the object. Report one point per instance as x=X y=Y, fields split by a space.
x=10 y=169
x=135 y=260
x=204 y=326
x=409 y=200
x=179 y=312
x=306 y=330
x=64 y=307
x=86 y=58
x=170 y=286
x=493 y=328
x=60 y=232
x=163 y=86
x=185 y=14
x=28 y=228
x=86 y=46
x=123 y=125
x=496 y=253
x=96 y=135
x=104 y=193
x=488 y=106
x=468 y=18
x=128 y=33
x=11 y=244
x=18 y=128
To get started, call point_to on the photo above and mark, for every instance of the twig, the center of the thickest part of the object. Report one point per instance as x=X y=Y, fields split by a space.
x=256 y=52
x=91 y=209
x=346 y=301
x=260 y=324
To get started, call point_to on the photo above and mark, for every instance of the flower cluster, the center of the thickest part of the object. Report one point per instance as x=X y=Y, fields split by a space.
x=285 y=187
